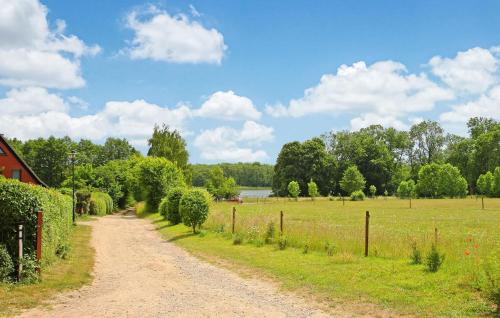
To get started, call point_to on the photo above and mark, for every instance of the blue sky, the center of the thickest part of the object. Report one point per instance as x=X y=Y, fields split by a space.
x=233 y=75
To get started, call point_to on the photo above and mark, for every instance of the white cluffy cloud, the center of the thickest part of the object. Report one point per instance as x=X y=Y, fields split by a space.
x=33 y=112
x=32 y=54
x=173 y=38
x=232 y=145
x=381 y=88
x=487 y=105
x=228 y=106
x=472 y=71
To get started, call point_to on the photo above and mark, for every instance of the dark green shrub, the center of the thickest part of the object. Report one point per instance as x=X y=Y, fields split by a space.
x=82 y=204
x=173 y=198
x=269 y=235
x=305 y=250
x=29 y=274
x=282 y=243
x=194 y=207
x=163 y=207
x=434 y=260
x=357 y=195
x=19 y=202
x=329 y=249
x=416 y=255
x=237 y=239
x=6 y=265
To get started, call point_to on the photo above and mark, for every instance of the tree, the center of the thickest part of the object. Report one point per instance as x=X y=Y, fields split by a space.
x=428 y=176
x=294 y=189
x=194 y=207
x=116 y=149
x=373 y=190
x=312 y=189
x=406 y=189
x=496 y=182
x=219 y=186
x=427 y=144
x=352 y=180
x=169 y=144
x=480 y=125
x=485 y=183
x=158 y=176
x=451 y=183
x=173 y=200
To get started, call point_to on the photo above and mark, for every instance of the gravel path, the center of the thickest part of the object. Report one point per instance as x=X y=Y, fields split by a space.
x=137 y=274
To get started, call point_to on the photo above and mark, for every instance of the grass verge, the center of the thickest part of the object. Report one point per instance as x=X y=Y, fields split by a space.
x=70 y=273
x=341 y=279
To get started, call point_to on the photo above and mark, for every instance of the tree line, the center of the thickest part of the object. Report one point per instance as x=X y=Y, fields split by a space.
x=245 y=174
x=386 y=157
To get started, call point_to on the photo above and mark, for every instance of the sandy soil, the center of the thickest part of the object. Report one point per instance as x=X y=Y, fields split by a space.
x=137 y=274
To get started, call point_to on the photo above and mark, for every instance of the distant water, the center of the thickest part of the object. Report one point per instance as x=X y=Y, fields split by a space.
x=255 y=193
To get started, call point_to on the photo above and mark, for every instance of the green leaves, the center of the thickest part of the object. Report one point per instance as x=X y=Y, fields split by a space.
x=352 y=180
x=194 y=207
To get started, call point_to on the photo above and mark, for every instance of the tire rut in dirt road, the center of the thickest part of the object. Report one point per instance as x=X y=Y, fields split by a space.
x=137 y=274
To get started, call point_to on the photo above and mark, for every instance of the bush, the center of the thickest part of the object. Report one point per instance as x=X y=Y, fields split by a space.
x=406 y=189
x=100 y=204
x=194 y=207
x=357 y=195
x=6 y=265
x=485 y=184
x=82 y=204
x=269 y=235
x=352 y=180
x=237 y=239
x=496 y=183
x=282 y=243
x=162 y=208
x=434 y=260
x=312 y=189
x=416 y=255
x=19 y=201
x=173 y=199
x=294 y=189
x=373 y=190
x=157 y=176
x=435 y=180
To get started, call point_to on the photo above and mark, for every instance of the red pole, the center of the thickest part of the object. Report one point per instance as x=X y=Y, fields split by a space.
x=39 y=227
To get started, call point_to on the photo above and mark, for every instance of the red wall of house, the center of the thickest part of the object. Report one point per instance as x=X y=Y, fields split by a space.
x=9 y=162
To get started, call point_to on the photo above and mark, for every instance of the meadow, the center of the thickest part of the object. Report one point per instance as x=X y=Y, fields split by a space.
x=324 y=252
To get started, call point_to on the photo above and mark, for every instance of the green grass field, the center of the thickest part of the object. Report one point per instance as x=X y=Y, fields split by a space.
x=467 y=235
x=70 y=273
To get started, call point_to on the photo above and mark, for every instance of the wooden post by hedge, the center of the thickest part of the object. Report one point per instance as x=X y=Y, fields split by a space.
x=20 y=252
x=367 y=226
x=39 y=227
x=234 y=218
x=482 y=202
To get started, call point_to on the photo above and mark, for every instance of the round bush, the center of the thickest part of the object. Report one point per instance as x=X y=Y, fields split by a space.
x=194 y=207
x=162 y=208
x=6 y=264
x=357 y=195
x=173 y=198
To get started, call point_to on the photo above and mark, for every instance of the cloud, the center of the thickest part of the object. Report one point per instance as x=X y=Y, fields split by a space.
x=231 y=145
x=173 y=38
x=369 y=119
x=472 y=71
x=228 y=106
x=487 y=105
x=383 y=88
x=33 y=112
x=31 y=54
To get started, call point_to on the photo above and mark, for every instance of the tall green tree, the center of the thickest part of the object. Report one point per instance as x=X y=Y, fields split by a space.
x=116 y=149
x=427 y=144
x=169 y=144
x=352 y=180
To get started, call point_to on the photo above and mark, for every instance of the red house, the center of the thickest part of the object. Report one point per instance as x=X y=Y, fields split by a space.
x=12 y=166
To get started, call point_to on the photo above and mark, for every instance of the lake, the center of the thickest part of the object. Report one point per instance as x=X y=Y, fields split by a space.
x=262 y=193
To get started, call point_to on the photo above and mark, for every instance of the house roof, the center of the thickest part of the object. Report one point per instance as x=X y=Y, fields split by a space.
x=4 y=141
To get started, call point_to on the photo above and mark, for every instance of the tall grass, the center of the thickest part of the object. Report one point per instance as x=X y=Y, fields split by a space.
x=394 y=227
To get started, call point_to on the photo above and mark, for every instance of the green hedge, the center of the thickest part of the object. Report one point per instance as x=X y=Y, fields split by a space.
x=19 y=203
x=100 y=203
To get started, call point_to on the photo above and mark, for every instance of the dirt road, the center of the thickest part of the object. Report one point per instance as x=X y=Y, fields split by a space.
x=137 y=274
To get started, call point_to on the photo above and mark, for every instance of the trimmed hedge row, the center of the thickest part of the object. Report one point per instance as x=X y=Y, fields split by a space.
x=19 y=203
x=100 y=203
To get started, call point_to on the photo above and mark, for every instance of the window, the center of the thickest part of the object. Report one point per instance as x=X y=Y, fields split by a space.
x=16 y=174
x=2 y=153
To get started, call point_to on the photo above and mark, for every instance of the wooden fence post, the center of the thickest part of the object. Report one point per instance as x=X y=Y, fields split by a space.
x=234 y=218
x=435 y=236
x=410 y=202
x=281 y=222
x=482 y=202
x=20 y=252
x=367 y=226
x=343 y=202
x=39 y=227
